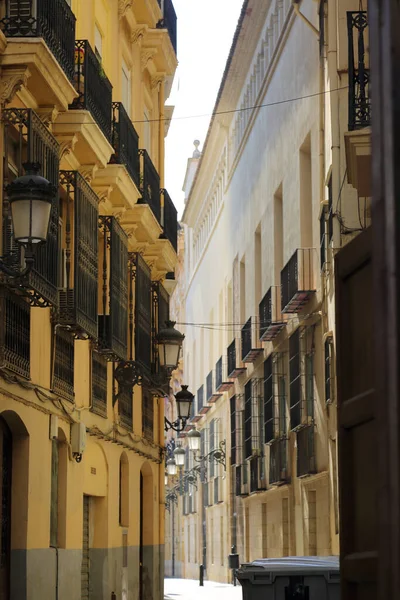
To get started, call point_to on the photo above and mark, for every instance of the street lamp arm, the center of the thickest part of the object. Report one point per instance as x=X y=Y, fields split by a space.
x=178 y=425
x=15 y=272
x=217 y=455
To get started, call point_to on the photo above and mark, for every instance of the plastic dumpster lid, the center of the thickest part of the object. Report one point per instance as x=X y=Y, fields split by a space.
x=305 y=564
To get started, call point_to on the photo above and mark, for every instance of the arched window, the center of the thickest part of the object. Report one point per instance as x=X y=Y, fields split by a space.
x=123 y=491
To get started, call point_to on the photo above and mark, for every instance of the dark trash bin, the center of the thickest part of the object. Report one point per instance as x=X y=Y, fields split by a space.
x=291 y=578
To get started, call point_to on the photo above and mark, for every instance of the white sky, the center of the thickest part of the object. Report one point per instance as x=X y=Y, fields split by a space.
x=205 y=32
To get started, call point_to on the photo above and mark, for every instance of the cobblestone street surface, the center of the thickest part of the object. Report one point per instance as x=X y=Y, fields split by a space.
x=189 y=589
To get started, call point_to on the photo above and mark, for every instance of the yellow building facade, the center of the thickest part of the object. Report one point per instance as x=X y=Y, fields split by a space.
x=83 y=86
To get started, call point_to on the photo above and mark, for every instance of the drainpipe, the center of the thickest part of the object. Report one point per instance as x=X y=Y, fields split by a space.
x=296 y=9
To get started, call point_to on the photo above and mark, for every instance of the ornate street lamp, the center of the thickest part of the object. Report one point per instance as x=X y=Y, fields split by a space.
x=30 y=197
x=169 y=341
x=179 y=456
x=217 y=455
x=194 y=439
x=171 y=467
x=184 y=400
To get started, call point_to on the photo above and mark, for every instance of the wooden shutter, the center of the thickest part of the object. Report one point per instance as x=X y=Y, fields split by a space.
x=119 y=288
x=357 y=424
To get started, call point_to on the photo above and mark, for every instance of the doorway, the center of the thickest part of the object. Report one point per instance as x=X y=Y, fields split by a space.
x=5 y=509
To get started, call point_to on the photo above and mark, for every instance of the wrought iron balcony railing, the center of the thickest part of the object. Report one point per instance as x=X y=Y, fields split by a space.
x=297 y=280
x=93 y=87
x=125 y=142
x=271 y=319
x=79 y=293
x=278 y=471
x=99 y=384
x=170 y=220
x=63 y=380
x=306 y=464
x=141 y=316
x=169 y=22
x=150 y=184
x=15 y=333
x=220 y=384
x=200 y=399
x=359 y=73
x=250 y=352
x=125 y=409
x=257 y=478
x=26 y=132
x=233 y=369
x=113 y=320
x=52 y=20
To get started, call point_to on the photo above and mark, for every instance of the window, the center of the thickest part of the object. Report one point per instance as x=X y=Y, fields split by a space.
x=269 y=408
x=98 y=43
x=126 y=87
x=99 y=384
x=58 y=497
x=233 y=429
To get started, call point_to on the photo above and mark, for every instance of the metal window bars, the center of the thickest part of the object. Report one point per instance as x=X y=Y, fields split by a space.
x=272 y=321
x=301 y=368
x=63 y=378
x=15 y=333
x=249 y=341
x=125 y=141
x=99 y=384
x=298 y=280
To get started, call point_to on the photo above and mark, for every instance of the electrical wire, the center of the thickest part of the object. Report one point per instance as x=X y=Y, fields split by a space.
x=226 y=112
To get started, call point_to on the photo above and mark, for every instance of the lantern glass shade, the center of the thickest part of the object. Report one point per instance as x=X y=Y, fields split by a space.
x=171 y=467
x=30 y=197
x=166 y=479
x=184 y=400
x=179 y=456
x=169 y=342
x=194 y=439
x=30 y=220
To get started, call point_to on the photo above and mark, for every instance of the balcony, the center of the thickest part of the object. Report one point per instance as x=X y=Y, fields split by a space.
x=79 y=283
x=278 y=471
x=33 y=142
x=169 y=22
x=41 y=37
x=125 y=409
x=306 y=464
x=63 y=379
x=170 y=220
x=15 y=333
x=99 y=384
x=140 y=319
x=211 y=394
x=250 y=352
x=93 y=87
x=358 y=138
x=257 y=475
x=359 y=73
x=220 y=384
x=113 y=319
x=234 y=370
x=125 y=142
x=272 y=321
x=297 y=280
x=202 y=409
x=149 y=185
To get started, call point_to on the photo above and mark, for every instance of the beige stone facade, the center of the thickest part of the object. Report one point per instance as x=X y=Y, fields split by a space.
x=279 y=189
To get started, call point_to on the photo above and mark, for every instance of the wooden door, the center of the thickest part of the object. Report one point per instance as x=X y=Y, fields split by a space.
x=85 y=569
x=357 y=423
x=5 y=509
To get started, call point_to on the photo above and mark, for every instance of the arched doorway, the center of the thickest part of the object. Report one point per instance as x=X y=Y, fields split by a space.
x=5 y=508
x=146 y=557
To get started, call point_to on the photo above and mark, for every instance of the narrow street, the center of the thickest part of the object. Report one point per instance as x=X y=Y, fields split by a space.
x=189 y=589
